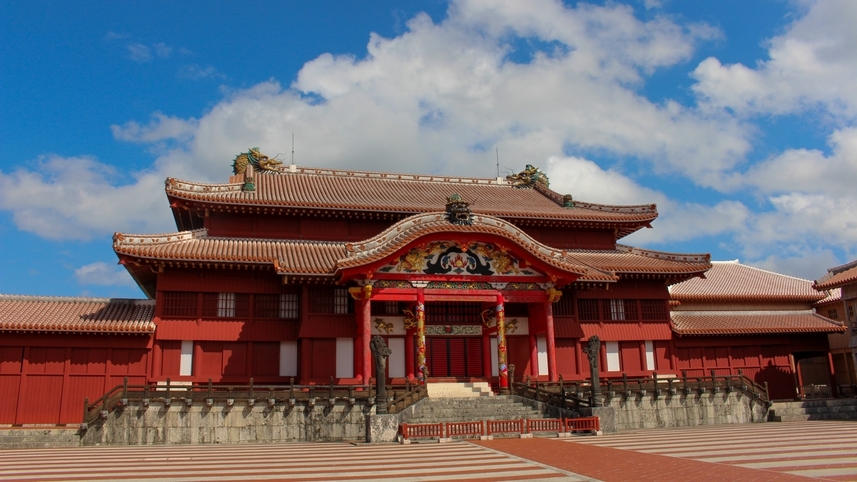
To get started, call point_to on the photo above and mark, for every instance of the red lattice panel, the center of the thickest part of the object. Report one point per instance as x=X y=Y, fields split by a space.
x=422 y=430
x=544 y=425
x=505 y=426
x=582 y=424
x=465 y=429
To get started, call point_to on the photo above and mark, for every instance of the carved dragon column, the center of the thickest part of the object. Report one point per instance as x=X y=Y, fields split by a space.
x=421 y=335
x=503 y=369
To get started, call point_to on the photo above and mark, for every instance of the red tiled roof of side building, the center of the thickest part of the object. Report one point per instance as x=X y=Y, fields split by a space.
x=405 y=193
x=293 y=256
x=630 y=260
x=847 y=276
x=733 y=281
x=48 y=314
x=752 y=322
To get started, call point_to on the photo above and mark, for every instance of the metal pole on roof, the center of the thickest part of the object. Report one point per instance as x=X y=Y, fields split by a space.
x=498 y=161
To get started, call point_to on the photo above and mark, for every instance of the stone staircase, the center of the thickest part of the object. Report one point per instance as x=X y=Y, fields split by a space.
x=500 y=407
x=459 y=390
x=828 y=409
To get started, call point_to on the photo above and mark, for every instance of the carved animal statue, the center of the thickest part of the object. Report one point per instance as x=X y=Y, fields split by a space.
x=255 y=158
x=381 y=325
x=504 y=264
x=529 y=177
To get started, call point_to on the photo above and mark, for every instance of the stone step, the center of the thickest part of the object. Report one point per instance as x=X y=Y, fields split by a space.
x=829 y=409
x=459 y=390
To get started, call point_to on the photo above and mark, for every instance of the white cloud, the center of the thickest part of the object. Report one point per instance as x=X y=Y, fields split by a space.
x=441 y=96
x=139 y=52
x=80 y=198
x=811 y=65
x=101 y=273
x=161 y=127
x=195 y=72
x=162 y=50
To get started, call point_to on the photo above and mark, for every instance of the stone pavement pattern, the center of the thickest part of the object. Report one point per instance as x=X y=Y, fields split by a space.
x=824 y=450
x=797 y=451
x=297 y=461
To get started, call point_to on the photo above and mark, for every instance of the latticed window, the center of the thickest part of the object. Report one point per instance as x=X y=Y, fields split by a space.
x=631 y=310
x=179 y=303
x=276 y=306
x=327 y=300
x=833 y=314
x=587 y=310
x=614 y=309
x=850 y=312
x=381 y=308
x=266 y=306
x=565 y=305
x=290 y=306
x=453 y=313
x=517 y=309
x=653 y=309
x=225 y=305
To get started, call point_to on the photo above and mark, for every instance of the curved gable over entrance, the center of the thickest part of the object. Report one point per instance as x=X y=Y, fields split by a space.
x=431 y=247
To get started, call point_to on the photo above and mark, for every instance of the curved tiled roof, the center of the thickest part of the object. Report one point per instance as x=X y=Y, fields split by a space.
x=294 y=256
x=733 y=281
x=834 y=294
x=76 y=315
x=834 y=280
x=400 y=234
x=752 y=322
x=628 y=260
x=404 y=193
x=324 y=258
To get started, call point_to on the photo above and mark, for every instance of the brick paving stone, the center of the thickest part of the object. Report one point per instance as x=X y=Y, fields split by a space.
x=609 y=464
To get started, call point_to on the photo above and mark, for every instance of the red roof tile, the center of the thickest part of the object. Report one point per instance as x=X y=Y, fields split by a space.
x=752 y=322
x=291 y=256
x=629 y=260
x=324 y=258
x=836 y=280
x=76 y=315
x=733 y=281
x=411 y=194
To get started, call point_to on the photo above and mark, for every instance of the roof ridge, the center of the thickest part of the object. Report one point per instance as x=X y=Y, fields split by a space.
x=774 y=272
x=79 y=299
x=651 y=253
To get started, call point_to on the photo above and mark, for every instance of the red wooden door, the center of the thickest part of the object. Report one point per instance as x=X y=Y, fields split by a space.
x=454 y=357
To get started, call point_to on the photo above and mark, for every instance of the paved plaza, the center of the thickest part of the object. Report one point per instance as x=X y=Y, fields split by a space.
x=758 y=452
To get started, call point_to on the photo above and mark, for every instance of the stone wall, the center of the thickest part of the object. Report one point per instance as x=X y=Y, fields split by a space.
x=680 y=410
x=220 y=423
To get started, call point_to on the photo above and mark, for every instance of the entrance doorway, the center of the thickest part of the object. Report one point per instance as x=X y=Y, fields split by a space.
x=454 y=356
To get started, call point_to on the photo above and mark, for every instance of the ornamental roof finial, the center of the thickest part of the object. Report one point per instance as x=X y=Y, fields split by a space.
x=458 y=211
x=529 y=177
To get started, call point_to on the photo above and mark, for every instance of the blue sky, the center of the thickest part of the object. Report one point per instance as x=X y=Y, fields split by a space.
x=737 y=118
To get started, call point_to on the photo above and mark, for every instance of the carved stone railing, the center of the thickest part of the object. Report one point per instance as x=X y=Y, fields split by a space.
x=578 y=394
x=399 y=396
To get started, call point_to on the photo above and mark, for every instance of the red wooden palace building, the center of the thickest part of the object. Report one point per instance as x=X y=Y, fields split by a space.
x=288 y=272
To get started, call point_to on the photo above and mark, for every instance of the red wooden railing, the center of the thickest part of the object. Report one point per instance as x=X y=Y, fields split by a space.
x=422 y=430
x=544 y=425
x=465 y=429
x=582 y=424
x=504 y=426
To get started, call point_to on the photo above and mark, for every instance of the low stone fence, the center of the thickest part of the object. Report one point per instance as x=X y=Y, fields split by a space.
x=179 y=423
x=644 y=410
